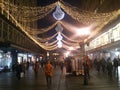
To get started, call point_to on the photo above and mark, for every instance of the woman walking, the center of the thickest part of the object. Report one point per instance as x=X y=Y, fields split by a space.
x=48 y=72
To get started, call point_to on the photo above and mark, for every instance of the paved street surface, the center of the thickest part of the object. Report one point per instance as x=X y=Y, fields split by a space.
x=97 y=81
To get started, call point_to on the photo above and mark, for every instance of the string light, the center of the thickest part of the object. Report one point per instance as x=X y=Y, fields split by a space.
x=45 y=39
x=49 y=46
x=35 y=13
x=85 y=17
x=70 y=43
x=71 y=40
x=41 y=30
x=30 y=14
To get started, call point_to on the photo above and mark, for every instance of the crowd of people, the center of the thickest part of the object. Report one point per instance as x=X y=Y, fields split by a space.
x=68 y=65
x=21 y=68
x=107 y=66
x=85 y=66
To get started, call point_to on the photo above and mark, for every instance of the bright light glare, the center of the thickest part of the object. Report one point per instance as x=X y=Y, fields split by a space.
x=116 y=53
x=59 y=44
x=77 y=47
x=67 y=54
x=119 y=72
x=83 y=31
x=71 y=48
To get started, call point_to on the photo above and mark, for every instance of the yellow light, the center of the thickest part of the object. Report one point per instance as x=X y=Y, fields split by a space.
x=71 y=48
x=83 y=31
x=67 y=53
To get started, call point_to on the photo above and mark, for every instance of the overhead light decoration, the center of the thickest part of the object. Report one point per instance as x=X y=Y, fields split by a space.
x=58 y=14
x=59 y=44
x=59 y=37
x=59 y=28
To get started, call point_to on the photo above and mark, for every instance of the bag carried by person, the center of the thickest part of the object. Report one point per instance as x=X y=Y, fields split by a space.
x=22 y=74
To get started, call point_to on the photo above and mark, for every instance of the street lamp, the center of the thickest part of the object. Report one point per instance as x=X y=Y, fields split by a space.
x=48 y=55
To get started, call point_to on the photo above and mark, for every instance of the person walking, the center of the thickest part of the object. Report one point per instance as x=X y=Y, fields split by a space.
x=115 y=65
x=18 y=69
x=36 y=68
x=103 y=65
x=109 y=68
x=48 y=72
x=86 y=73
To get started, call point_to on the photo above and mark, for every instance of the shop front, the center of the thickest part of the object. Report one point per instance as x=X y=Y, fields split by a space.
x=5 y=60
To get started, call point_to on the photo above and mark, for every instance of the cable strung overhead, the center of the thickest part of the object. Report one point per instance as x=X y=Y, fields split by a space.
x=35 y=13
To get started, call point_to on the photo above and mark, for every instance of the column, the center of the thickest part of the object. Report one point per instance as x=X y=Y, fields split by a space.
x=14 y=55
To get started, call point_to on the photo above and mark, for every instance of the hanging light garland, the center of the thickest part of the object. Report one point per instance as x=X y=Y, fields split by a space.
x=71 y=40
x=49 y=48
x=70 y=43
x=17 y=16
x=41 y=30
x=35 y=13
x=66 y=47
x=52 y=43
x=58 y=14
x=31 y=37
x=45 y=39
x=85 y=17
x=30 y=14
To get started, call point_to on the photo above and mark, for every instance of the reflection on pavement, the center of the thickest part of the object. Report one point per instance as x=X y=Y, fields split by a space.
x=119 y=75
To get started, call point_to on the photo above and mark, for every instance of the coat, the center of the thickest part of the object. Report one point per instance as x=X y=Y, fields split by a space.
x=49 y=70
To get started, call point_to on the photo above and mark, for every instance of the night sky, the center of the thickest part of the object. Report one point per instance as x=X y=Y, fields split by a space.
x=45 y=2
x=49 y=20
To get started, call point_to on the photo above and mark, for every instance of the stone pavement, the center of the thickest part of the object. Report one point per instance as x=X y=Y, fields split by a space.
x=97 y=81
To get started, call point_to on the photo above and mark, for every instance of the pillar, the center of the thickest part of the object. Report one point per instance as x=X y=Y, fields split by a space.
x=14 y=54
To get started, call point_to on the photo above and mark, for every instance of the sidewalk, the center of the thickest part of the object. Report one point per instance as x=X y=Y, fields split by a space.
x=8 y=81
x=97 y=81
